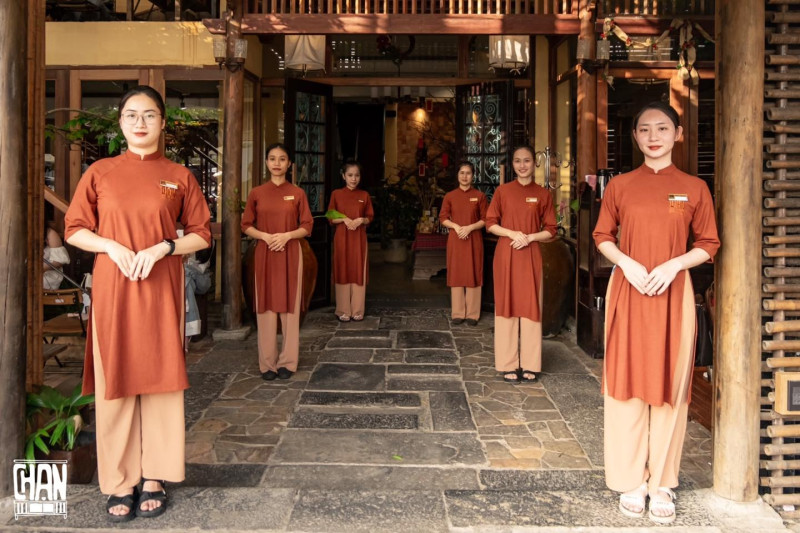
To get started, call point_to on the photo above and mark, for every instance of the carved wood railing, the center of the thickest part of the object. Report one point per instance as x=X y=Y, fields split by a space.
x=413 y=7
x=658 y=8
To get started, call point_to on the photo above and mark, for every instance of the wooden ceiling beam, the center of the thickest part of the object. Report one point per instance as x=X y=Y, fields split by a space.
x=434 y=24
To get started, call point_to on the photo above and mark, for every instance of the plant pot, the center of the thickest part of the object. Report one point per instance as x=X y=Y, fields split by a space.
x=81 y=462
x=397 y=251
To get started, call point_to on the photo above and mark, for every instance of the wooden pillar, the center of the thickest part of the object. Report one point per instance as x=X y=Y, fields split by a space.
x=737 y=361
x=232 y=178
x=75 y=103
x=35 y=206
x=587 y=99
x=13 y=237
x=61 y=146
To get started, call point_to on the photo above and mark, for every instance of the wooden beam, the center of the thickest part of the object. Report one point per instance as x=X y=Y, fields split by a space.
x=650 y=25
x=394 y=82
x=13 y=238
x=232 y=179
x=737 y=341
x=61 y=146
x=434 y=24
x=586 y=163
x=35 y=127
x=75 y=102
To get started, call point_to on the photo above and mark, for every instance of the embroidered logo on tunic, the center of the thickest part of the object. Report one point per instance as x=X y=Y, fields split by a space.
x=677 y=202
x=168 y=189
x=473 y=199
x=287 y=198
x=531 y=200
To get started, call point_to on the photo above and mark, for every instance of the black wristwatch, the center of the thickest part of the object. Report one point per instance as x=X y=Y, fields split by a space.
x=171 y=244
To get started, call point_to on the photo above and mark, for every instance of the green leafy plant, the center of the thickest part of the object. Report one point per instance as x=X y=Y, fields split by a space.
x=62 y=420
x=398 y=210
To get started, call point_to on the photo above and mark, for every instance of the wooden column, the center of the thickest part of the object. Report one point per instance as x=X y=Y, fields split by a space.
x=13 y=237
x=737 y=358
x=587 y=100
x=35 y=141
x=232 y=178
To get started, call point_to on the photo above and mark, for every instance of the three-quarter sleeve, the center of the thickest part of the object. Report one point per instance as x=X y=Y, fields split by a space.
x=704 y=225
x=482 y=207
x=444 y=213
x=549 y=215
x=495 y=212
x=249 y=215
x=304 y=214
x=195 y=215
x=82 y=211
x=332 y=205
x=369 y=213
x=608 y=220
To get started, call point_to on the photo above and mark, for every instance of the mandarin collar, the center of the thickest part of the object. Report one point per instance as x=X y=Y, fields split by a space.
x=471 y=187
x=131 y=156
x=272 y=183
x=653 y=172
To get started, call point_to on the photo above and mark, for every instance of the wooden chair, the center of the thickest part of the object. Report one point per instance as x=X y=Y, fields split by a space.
x=67 y=324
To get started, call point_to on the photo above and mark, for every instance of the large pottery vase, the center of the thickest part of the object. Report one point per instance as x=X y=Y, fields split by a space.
x=81 y=462
x=558 y=267
x=310 y=267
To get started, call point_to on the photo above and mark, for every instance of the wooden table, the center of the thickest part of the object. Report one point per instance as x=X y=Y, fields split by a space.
x=430 y=255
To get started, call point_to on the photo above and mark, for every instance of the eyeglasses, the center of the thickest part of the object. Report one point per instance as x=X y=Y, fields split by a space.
x=130 y=118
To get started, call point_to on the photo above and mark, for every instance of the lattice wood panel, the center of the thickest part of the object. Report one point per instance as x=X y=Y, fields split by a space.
x=780 y=434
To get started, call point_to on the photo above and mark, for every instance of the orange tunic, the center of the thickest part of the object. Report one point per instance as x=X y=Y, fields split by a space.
x=350 y=247
x=651 y=213
x=138 y=202
x=464 y=256
x=277 y=209
x=518 y=273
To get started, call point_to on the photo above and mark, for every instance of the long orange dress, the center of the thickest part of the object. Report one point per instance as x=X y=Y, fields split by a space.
x=651 y=213
x=137 y=201
x=518 y=273
x=277 y=209
x=464 y=256
x=350 y=247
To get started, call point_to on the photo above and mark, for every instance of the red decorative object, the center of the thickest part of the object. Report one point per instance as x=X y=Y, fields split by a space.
x=429 y=105
x=420 y=143
x=445 y=159
x=422 y=169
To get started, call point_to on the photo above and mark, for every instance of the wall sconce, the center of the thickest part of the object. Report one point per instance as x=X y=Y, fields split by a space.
x=509 y=52
x=235 y=62
x=304 y=52
x=603 y=50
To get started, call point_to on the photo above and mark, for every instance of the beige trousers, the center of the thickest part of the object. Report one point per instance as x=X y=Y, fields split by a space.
x=268 y=356
x=351 y=297
x=517 y=344
x=465 y=302
x=137 y=436
x=643 y=442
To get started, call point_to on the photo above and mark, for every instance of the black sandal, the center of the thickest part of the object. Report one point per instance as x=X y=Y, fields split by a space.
x=528 y=380
x=507 y=379
x=146 y=496
x=129 y=501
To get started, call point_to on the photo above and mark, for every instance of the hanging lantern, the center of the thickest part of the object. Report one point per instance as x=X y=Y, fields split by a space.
x=305 y=52
x=509 y=52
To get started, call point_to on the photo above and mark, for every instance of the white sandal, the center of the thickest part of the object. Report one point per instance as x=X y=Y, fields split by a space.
x=635 y=498
x=662 y=505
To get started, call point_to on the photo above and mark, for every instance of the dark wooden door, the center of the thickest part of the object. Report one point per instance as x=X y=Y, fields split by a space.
x=308 y=122
x=487 y=129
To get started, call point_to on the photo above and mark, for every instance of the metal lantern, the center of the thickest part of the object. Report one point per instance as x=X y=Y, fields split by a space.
x=305 y=52
x=509 y=51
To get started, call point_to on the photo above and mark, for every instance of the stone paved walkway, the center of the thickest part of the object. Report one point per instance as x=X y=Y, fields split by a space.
x=400 y=423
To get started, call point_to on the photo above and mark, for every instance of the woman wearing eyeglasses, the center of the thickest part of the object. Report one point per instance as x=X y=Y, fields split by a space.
x=126 y=209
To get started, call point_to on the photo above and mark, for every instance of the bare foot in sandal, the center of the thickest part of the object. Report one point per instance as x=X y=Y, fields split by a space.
x=662 y=506
x=632 y=503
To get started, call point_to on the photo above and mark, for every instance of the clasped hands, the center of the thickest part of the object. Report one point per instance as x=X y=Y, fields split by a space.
x=276 y=242
x=519 y=240
x=353 y=225
x=138 y=265
x=461 y=231
x=650 y=283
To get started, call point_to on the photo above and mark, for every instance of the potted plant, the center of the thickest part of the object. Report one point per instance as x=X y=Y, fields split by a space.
x=54 y=431
x=398 y=210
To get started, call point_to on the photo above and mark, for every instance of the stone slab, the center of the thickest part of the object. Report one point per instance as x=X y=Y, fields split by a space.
x=377 y=447
x=235 y=475
x=344 y=377
x=365 y=399
x=346 y=355
x=506 y=479
x=371 y=333
x=345 y=477
x=238 y=334
x=408 y=384
x=424 y=369
x=369 y=511
x=369 y=323
x=203 y=389
x=359 y=342
x=558 y=359
x=228 y=360
x=424 y=356
x=418 y=323
x=310 y=419
x=450 y=412
x=581 y=405
x=424 y=339
x=575 y=508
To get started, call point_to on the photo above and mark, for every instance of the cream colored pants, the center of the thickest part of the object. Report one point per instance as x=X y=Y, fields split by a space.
x=268 y=356
x=465 y=302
